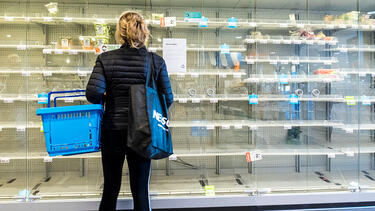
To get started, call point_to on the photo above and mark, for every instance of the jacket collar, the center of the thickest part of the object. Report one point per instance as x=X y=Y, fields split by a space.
x=142 y=49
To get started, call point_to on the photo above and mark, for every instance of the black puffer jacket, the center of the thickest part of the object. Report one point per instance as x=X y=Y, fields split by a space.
x=113 y=73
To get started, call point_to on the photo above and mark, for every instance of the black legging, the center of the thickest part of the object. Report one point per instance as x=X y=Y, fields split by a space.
x=113 y=151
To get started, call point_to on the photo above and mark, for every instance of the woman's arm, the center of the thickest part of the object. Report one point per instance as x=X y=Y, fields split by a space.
x=164 y=85
x=97 y=85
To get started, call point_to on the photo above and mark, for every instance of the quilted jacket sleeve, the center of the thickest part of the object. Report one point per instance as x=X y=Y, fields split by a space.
x=97 y=83
x=164 y=85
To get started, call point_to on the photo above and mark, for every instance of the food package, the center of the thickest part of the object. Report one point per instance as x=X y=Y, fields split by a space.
x=65 y=42
x=320 y=35
x=328 y=18
x=102 y=30
x=87 y=42
x=324 y=72
x=256 y=35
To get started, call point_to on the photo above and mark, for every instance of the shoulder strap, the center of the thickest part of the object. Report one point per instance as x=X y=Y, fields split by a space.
x=150 y=63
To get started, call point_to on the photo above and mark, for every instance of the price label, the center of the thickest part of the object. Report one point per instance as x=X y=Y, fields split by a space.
x=349 y=130
x=209 y=190
x=225 y=127
x=287 y=127
x=210 y=127
x=332 y=42
x=300 y=25
x=67 y=19
x=263 y=41
x=251 y=61
x=4 y=160
x=222 y=75
x=253 y=24
x=330 y=26
x=365 y=26
x=253 y=156
x=343 y=50
x=21 y=47
x=238 y=127
x=273 y=62
x=236 y=75
x=68 y=100
x=47 y=73
x=350 y=100
x=331 y=155
x=276 y=41
x=310 y=42
x=321 y=42
x=180 y=75
x=168 y=22
x=47 y=51
x=365 y=100
x=295 y=61
x=283 y=25
x=284 y=61
x=195 y=100
x=362 y=74
x=214 y=100
x=298 y=42
x=250 y=41
x=82 y=73
x=21 y=128
x=232 y=22
x=354 y=26
x=253 y=127
x=327 y=62
x=342 y=26
x=73 y=52
x=58 y=51
x=182 y=100
x=8 y=100
x=203 y=22
x=26 y=73
x=288 y=42
x=172 y=157
x=47 y=159
x=349 y=153
x=253 y=99
x=1 y=128
x=47 y=19
x=194 y=75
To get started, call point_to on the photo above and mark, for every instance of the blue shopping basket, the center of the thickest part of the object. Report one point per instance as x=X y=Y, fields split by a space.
x=71 y=130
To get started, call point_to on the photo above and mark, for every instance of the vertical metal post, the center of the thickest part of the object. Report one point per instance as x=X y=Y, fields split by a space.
x=297 y=159
x=167 y=167
x=250 y=168
x=217 y=165
x=83 y=167
x=328 y=163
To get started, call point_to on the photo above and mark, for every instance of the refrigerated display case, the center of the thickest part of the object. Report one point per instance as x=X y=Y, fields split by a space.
x=275 y=105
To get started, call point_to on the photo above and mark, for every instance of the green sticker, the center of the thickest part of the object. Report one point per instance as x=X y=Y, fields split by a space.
x=350 y=100
x=209 y=190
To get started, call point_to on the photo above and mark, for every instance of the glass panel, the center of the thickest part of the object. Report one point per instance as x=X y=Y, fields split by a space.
x=13 y=112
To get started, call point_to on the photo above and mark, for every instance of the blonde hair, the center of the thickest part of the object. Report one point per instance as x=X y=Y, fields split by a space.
x=132 y=29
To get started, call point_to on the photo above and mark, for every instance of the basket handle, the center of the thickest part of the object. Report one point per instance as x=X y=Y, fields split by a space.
x=62 y=92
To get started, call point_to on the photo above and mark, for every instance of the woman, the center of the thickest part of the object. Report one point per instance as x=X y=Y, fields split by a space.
x=113 y=73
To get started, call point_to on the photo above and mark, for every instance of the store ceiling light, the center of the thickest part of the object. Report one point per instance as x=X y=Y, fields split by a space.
x=52 y=7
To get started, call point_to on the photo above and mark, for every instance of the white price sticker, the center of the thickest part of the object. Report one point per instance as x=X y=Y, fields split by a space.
x=195 y=100
x=298 y=42
x=4 y=160
x=354 y=26
x=365 y=26
x=349 y=153
x=362 y=74
x=295 y=62
x=284 y=61
x=58 y=51
x=310 y=42
x=73 y=52
x=237 y=127
x=47 y=73
x=273 y=62
x=263 y=41
x=251 y=61
x=69 y=100
x=47 y=19
x=21 y=128
x=253 y=24
x=300 y=25
x=25 y=73
x=47 y=51
x=321 y=42
x=331 y=155
x=288 y=42
x=8 y=100
x=251 y=41
x=170 y=21
x=210 y=127
x=21 y=47
x=194 y=75
x=287 y=127
x=182 y=100
x=225 y=127
x=343 y=50
x=214 y=100
x=1 y=128
x=253 y=127
x=180 y=75
x=283 y=25
x=253 y=156
x=327 y=62
x=330 y=26
x=276 y=41
x=67 y=19
x=342 y=26
x=82 y=73
x=47 y=159
x=348 y=130
x=222 y=75
x=236 y=75
x=172 y=157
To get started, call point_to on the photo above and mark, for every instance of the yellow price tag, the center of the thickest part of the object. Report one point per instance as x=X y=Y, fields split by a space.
x=41 y=127
x=209 y=190
x=350 y=100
